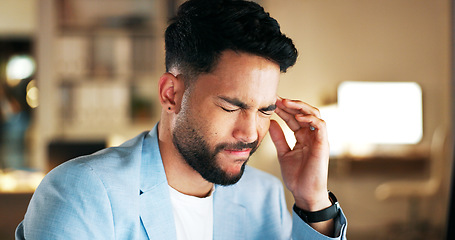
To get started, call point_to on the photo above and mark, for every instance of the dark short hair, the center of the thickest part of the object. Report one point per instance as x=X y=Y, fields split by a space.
x=203 y=29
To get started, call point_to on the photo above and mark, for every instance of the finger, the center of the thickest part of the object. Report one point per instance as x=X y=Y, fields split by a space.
x=296 y=124
x=309 y=121
x=296 y=107
x=281 y=105
x=278 y=138
x=289 y=119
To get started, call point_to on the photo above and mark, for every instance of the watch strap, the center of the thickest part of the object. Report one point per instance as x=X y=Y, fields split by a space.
x=321 y=215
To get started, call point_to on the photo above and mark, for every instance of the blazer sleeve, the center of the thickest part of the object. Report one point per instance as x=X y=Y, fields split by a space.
x=293 y=227
x=70 y=203
x=301 y=230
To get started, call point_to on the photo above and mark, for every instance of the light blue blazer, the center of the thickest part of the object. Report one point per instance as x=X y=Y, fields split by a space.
x=122 y=193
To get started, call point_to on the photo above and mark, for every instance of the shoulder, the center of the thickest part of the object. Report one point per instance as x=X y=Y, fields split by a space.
x=109 y=173
x=67 y=195
x=114 y=162
x=80 y=197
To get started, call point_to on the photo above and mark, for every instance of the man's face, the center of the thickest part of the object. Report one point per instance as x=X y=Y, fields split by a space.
x=225 y=115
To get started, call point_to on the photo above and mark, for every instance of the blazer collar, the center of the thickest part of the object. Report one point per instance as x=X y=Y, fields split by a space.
x=155 y=203
x=152 y=169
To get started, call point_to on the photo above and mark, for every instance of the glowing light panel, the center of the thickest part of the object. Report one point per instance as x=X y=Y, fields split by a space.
x=381 y=112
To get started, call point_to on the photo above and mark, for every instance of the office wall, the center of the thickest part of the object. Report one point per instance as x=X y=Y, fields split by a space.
x=385 y=40
x=17 y=17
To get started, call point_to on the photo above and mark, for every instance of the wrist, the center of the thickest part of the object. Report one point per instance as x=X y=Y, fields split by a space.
x=324 y=214
x=317 y=203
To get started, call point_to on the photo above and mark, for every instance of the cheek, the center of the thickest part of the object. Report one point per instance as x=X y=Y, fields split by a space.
x=219 y=130
x=214 y=127
x=263 y=127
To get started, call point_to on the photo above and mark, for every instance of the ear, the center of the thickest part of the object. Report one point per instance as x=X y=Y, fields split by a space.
x=171 y=90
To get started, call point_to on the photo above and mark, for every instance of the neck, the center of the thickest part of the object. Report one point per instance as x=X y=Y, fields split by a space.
x=179 y=174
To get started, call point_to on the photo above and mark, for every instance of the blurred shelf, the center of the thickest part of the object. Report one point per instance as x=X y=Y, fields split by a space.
x=99 y=63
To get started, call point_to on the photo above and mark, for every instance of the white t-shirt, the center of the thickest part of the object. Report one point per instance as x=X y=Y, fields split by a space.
x=193 y=216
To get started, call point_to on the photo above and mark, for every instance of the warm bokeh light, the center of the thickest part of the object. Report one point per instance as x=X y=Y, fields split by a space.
x=32 y=94
x=19 y=67
x=19 y=181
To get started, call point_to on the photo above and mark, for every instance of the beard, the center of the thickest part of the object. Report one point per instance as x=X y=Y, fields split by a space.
x=196 y=152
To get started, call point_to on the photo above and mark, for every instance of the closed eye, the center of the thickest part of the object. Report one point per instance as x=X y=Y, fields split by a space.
x=268 y=113
x=229 y=110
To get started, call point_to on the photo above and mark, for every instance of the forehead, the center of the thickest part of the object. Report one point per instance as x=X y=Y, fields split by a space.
x=250 y=78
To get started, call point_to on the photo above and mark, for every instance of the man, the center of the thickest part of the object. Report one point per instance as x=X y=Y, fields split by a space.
x=187 y=178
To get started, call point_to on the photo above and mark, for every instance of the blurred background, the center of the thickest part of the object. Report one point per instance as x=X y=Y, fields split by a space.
x=77 y=76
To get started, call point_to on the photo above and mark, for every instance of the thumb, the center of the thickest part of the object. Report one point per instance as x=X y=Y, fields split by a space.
x=278 y=138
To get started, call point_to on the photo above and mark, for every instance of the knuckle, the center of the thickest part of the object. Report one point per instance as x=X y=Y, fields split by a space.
x=323 y=122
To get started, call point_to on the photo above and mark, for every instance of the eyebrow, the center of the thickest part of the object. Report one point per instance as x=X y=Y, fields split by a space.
x=269 y=108
x=238 y=103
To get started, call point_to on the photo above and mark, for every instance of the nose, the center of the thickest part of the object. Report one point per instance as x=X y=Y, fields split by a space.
x=246 y=128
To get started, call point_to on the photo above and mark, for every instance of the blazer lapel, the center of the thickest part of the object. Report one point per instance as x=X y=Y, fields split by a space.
x=155 y=204
x=229 y=218
x=156 y=214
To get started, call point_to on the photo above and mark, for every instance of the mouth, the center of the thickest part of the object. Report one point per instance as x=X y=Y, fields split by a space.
x=239 y=152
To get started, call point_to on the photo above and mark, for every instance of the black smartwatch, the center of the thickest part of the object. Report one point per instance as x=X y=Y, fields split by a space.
x=321 y=215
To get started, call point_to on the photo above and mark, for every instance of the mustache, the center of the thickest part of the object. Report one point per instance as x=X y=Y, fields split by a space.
x=238 y=146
